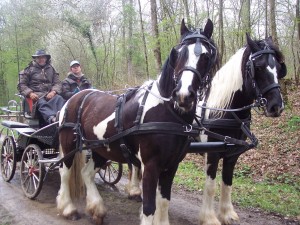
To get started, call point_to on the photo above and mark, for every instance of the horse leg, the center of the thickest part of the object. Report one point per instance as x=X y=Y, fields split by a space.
x=227 y=215
x=150 y=179
x=207 y=215
x=64 y=202
x=94 y=202
x=163 y=197
x=133 y=187
x=66 y=192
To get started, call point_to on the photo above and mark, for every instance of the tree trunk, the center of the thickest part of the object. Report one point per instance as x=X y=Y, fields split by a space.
x=124 y=34
x=221 y=31
x=273 y=22
x=144 y=39
x=155 y=32
x=245 y=18
x=187 y=13
x=297 y=74
x=266 y=19
x=129 y=44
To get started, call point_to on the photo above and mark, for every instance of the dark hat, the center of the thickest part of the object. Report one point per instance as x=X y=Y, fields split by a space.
x=41 y=52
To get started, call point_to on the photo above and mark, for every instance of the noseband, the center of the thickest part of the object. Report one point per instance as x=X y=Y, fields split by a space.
x=251 y=71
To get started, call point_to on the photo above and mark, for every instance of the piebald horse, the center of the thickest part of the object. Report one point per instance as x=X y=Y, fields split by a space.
x=149 y=125
x=251 y=74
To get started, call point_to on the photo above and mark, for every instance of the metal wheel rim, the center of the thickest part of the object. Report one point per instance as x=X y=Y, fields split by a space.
x=8 y=158
x=32 y=173
x=111 y=173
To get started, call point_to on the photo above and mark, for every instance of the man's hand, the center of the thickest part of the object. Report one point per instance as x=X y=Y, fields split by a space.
x=50 y=95
x=33 y=96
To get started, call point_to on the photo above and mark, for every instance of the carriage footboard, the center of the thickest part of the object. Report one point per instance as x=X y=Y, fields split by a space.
x=209 y=147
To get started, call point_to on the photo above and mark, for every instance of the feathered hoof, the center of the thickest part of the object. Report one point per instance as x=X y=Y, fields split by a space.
x=230 y=218
x=98 y=220
x=97 y=213
x=136 y=198
x=73 y=216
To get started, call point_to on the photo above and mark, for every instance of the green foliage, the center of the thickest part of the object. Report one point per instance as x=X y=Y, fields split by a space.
x=271 y=197
x=294 y=123
x=245 y=171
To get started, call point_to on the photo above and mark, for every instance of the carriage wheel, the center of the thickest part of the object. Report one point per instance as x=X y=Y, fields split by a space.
x=111 y=172
x=32 y=172
x=8 y=158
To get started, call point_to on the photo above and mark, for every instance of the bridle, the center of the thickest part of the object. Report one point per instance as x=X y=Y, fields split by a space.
x=250 y=68
x=196 y=35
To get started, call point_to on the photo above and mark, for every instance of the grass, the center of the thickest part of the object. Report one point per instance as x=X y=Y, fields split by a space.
x=283 y=199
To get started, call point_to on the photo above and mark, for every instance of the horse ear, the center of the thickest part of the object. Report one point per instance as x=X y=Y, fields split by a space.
x=183 y=28
x=283 y=71
x=270 y=39
x=173 y=56
x=253 y=46
x=208 y=29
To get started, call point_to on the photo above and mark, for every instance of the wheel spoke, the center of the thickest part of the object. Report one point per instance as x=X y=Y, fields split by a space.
x=28 y=183
x=34 y=182
x=109 y=173
x=26 y=179
x=26 y=165
x=36 y=177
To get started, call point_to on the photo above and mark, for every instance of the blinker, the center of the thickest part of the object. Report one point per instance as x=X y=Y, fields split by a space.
x=198 y=49
x=271 y=61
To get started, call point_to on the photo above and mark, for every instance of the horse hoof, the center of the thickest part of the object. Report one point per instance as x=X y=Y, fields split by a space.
x=74 y=216
x=136 y=198
x=98 y=220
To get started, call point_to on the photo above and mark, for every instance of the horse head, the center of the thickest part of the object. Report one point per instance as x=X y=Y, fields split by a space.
x=189 y=64
x=265 y=66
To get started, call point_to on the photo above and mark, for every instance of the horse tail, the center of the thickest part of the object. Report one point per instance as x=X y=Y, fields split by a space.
x=76 y=183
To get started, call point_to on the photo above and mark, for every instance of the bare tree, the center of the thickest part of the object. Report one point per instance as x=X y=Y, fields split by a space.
x=144 y=39
x=130 y=44
x=273 y=22
x=155 y=32
x=221 y=31
x=297 y=74
x=187 y=12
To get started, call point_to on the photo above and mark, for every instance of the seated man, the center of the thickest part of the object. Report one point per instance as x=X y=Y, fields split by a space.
x=75 y=81
x=39 y=81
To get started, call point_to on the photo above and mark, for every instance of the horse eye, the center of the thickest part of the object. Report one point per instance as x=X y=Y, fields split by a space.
x=259 y=68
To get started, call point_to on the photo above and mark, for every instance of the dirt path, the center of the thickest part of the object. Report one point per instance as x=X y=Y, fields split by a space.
x=16 y=209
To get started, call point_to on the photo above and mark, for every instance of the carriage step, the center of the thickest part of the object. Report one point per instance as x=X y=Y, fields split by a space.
x=54 y=160
x=209 y=147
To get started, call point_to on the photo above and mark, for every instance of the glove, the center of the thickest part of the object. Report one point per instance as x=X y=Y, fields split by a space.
x=76 y=90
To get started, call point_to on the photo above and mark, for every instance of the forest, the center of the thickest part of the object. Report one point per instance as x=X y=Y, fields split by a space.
x=122 y=43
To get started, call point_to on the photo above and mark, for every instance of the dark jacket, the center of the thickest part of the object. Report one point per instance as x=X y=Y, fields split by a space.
x=40 y=80
x=72 y=84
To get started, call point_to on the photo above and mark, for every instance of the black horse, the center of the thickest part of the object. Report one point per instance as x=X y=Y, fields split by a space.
x=147 y=126
x=251 y=74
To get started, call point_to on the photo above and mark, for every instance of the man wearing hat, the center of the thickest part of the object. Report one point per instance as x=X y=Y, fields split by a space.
x=39 y=81
x=75 y=81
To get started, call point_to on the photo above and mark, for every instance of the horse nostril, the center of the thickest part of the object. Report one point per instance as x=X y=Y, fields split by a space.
x=192 y=95
x=275 y=110
x=174 y=95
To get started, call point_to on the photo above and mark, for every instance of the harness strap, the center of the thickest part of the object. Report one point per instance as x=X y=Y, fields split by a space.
x=268 y=88
x=142 y=105
x=147 y=128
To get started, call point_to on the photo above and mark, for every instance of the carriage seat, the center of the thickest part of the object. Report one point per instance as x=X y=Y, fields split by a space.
x=29 y=112
x=28 y=108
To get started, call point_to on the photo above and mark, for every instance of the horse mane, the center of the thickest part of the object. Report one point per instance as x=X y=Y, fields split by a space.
x=166 y=79
x=226 y=82
x=182 y=58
